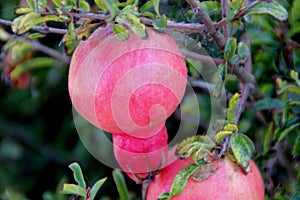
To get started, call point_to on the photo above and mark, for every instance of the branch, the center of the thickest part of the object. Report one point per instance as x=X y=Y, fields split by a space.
x=239 y=14
x=224 y=5
x=203 y=58
x=217 y=36
x=41 y=29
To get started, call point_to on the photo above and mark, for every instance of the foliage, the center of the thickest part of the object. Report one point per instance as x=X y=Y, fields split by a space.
x=259 y=71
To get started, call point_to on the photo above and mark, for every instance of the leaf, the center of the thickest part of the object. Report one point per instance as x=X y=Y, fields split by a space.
x=156 y=6
x=121 y=185
x=204 y=172
x=77 y=173
x=25 y=22
x=191 y=145
x=36 y=35
x=233 y=107
x=230 y=48
x=133 y=23
x=181 y=179
x=73 y=189
x=4 y=36
x=231 y=127
x=96 y=188
x=286 y=131
x=120 y=32
x=243 y=149
x=289 y=88
x=101 y=4
x=222 y=72
x=296 y=148
x=31 y=4
x=57 y=3
x=84 y=6
x=211 y=7
x=160 y=22
x=272 y=8
x=236 y=4
x=267 y=139
x=295 y=15
x=147 y=6
x=235 y=59
x=221 y=135
x=164 y=196
x=243 y=50
x=23 y=11
x=268 y=103
x=34 y=63
x=294 y=75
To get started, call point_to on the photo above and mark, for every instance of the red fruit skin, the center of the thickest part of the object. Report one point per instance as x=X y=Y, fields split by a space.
x=127 y=86
x=140 y=156
x=228 y=183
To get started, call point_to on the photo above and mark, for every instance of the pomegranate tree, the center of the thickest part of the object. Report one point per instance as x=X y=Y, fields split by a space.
x=226 y=180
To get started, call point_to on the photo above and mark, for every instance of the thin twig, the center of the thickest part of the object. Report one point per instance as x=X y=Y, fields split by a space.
x=226 y=30
x=203 y=58
x=77 y=15
x=216 y=35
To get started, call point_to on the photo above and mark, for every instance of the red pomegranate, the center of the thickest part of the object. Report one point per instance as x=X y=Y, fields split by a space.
x=228 y=182
x=127 y=86
x=140 y=156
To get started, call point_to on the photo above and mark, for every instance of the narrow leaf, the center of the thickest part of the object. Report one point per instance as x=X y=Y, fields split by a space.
x=160 y=22
x=156 y=6
x=296 y=148
x=268 y=103
x=230 y=48
x=121 y=185
x=78 y=176
x=286 y=131
x=243 y=149
x=73 y=189
x=267 y=139
x=236 y=4
x=272 y=8
x=101 y=4
x=120 y=32
x=221 y=135
x=294 y=75
x=222 y=72
x=243 y=50
x=57 y=3
x=23 y=11
x=147 y=6
x=181 y=179
x=233 y=107
x=31 y=4
x=96 y=188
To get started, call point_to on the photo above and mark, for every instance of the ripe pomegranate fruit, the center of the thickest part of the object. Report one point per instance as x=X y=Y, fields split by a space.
x=140 y=156
x=228 y=182
x=127 y=86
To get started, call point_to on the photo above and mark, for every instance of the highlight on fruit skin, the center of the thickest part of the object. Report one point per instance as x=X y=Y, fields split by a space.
x=140 y=157
x=127 y=86
x=226 y=181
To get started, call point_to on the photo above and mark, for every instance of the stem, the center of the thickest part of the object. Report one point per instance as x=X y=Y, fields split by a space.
x=226 y=31
x=216 y=35
x=203 y=58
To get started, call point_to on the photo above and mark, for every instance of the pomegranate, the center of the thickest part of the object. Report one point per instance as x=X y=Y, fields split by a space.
x=127 y=86
x=140 y=156
x=226 y=182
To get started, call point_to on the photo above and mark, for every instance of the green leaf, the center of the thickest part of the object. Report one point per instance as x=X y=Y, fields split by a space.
x=96 y=188
x=147 y=6
x=77 y=173
x=160 y=22
x=23 y=11
x=181 y=179
x=36 y=35
x=211 y=7
x=289 y=88
x=235 y=59
x=296 y=196
x=73 y=189
x=25 y=22
x=296 y=148
x=267 y=139
x=34 y=63
x=191 y=145
x=121 y=185
x=233 y=108
x=31 y=4
x=230 y=48
x=57 y=3
x=4 y=36
x=20 y=50
x=294 y=75
x=156 y=6
x=268 y=103
x=236 y=4
x=243 y=50
x=295 y=15
x=272 y=8
x=84 y=6
x=222 y=72
x=243 y=149
x=101 y=4
x=120 y=32
x=286 y=131
x=220 y=136
x=164 y=196
x=133 y=23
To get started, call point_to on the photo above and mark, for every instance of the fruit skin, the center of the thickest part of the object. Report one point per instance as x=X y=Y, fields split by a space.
x=227 y=183
x=139 y=156
x=127 y=86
